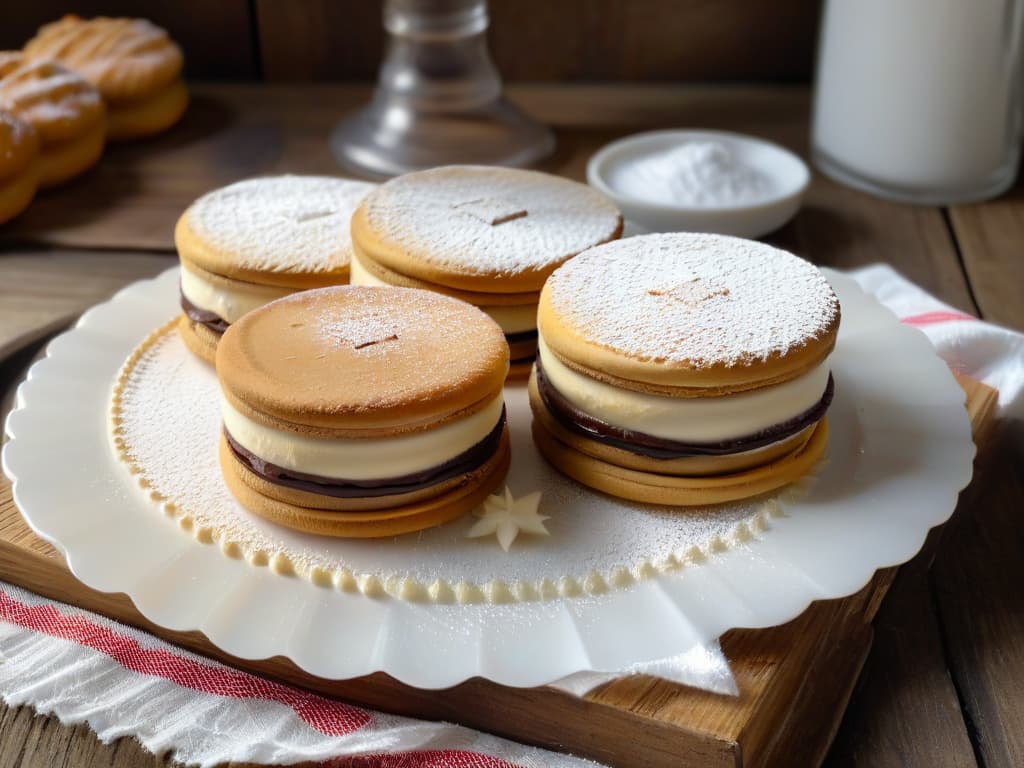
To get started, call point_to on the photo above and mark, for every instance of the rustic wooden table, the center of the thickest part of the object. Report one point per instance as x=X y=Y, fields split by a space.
x=942 y=686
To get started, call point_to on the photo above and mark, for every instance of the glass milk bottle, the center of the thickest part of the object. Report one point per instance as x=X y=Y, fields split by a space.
x=920 y=100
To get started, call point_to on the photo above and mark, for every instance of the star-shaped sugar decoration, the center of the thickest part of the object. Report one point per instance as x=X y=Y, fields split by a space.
x=506 y=516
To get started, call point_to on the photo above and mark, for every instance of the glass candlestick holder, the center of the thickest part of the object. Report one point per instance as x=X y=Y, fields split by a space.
x=438 y=99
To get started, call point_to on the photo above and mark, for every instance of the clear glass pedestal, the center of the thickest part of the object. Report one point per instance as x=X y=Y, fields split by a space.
x=438 y=100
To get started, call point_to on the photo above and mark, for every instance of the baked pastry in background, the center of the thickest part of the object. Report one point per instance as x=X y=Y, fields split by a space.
x=65 y=110
x=134 y=64
x=257 y=240
x=684 y=369
x=363 y=412
x=19 y=165
x=489 y=236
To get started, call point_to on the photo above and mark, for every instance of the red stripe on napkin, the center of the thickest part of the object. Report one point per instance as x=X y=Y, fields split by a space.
x=427 y=758
x=330 y=718
x=941 y=316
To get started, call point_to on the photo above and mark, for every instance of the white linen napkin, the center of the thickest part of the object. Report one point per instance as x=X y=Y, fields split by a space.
x=987 y=352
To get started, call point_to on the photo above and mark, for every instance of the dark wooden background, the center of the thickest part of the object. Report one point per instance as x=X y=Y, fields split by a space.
x=531 y=40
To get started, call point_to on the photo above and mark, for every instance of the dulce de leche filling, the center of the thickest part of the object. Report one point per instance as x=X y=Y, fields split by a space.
x=225 y=304
x=664 y=427
x=211 y=320
x=659 y=448
x=688 y=420
x=366 y=467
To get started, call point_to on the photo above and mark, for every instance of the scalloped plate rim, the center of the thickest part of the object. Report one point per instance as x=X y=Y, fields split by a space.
x=734 y=612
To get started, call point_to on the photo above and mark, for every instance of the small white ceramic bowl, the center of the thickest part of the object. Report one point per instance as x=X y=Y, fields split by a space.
x=787 y=174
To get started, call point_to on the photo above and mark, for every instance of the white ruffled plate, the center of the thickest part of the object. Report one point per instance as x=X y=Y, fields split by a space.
x=900 y=451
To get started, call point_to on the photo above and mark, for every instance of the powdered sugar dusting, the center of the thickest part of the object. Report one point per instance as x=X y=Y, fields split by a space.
x=56 y=101
x=374 y=328
x=375 y=317
x=597 y=542
x=126 y=58
x=283 y=224
x=489 y=221
x=18 y=143
x=693 y=299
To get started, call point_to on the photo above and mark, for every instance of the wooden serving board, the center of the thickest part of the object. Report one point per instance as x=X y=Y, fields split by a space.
x=794 y=680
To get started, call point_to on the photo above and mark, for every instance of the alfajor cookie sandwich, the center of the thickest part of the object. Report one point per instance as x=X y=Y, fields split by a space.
x=488 y=236
x=249 y=243
x=363 y=412
x=684 y=369
x=65 y=110
x=19 y=165
x=134 y=64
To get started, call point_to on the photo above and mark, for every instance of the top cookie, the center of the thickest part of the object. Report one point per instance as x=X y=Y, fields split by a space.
x=126 y=59
x=19 y=145
x=349 y=359
x=477 y=228
x=58 y=103
x=678 y=312
x=290 y=231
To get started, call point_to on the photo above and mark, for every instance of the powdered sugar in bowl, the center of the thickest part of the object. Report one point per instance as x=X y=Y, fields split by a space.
x=700 y=181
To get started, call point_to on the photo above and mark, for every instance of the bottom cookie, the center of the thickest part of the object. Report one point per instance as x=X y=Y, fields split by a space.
x=65 y=160
x=250 y=490
x=522 y=346
x=672 y=490
x=17 y=192
x=148 y=116
x=200 y=340
x=519 y=370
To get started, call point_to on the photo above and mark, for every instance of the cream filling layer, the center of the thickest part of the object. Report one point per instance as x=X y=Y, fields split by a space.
x=516 y=318
x=687 y=420
x=362 y=458
x=227 y=303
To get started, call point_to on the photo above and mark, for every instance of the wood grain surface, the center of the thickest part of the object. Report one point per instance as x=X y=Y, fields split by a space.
x=568 y=40
x=951 y=639
x=233 y=132
x=134 y=196
x=977 y=581
x=990 y=237
x=578 y=40
x=905 y=673
x=42 y=285
x=979 y=572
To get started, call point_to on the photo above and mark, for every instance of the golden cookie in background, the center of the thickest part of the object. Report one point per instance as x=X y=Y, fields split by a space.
x=257 y=240
x=489 y=236
x=363 y=412
x=19 y=165
x=684 y=369
x=134 y=64
x=65 y=110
